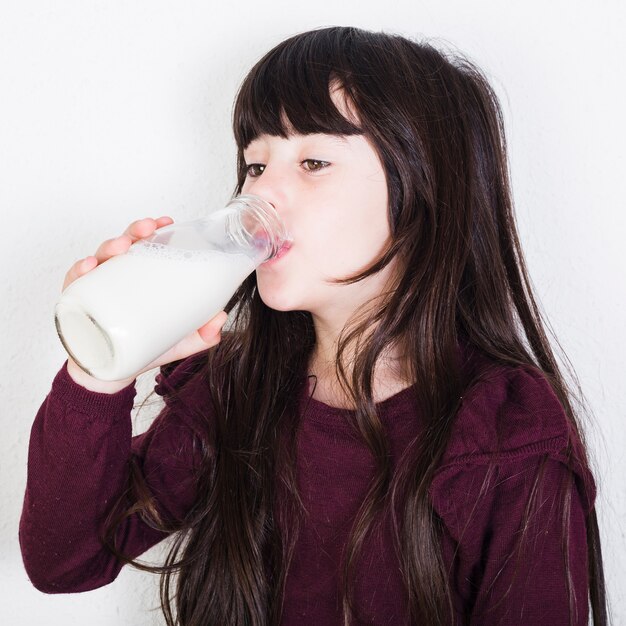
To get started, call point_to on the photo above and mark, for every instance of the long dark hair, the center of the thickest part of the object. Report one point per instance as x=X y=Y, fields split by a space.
x=438 y=128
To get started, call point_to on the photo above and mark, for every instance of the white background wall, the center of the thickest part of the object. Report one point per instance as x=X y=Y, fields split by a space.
x=113 y=111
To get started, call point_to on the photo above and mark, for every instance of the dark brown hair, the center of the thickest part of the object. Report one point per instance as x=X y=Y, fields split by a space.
x=437 y=126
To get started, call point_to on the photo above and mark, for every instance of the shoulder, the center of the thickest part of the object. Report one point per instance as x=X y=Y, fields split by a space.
x=509 y=426
x=514 y=483
x=512 y=410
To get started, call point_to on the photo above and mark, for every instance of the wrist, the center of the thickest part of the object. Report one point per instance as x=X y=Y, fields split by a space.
x=90 y=383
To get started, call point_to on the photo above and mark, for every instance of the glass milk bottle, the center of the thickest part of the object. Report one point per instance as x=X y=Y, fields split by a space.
x=127 y=311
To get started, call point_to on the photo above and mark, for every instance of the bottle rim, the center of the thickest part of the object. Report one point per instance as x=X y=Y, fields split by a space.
x=271 y=221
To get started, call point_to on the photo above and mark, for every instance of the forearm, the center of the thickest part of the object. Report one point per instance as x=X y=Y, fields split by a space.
x=77 y=467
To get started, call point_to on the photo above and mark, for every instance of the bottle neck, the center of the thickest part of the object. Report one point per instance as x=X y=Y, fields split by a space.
x=262 y=224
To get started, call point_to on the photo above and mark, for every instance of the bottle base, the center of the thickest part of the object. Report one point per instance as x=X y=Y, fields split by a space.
x=83 y=339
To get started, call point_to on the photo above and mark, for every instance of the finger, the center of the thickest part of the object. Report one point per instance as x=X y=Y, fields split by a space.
x=113 y=247
x=141 y=228
x=79 y=268
x=164 y=221
x=209 y=335
x=213 y=327
x=145 y=227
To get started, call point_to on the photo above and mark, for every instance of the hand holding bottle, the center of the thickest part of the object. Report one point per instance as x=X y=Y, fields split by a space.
x=145 y=298
x=204 y=337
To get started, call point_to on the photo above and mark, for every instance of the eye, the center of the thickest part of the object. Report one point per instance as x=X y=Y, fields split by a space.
x=252 y=171
x=316 y=165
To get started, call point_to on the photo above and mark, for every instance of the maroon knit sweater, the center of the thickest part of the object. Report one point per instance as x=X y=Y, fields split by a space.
x=81 y=442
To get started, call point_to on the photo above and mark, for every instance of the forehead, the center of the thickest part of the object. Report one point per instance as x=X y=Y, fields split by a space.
x=294 y=136
x=343 y=103
x=339 y=98
x=290 y=107
x=344 y=106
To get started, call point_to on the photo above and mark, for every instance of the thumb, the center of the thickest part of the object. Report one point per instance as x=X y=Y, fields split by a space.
x=211 y=331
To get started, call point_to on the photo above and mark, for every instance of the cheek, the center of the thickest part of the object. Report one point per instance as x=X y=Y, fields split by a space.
x=344 y=244
x=359 y=227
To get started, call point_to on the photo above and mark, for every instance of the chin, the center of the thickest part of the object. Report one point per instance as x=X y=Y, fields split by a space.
x=275 y=298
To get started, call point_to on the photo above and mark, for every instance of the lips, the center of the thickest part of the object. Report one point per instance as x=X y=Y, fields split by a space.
x=283 y=249
x=281 y=253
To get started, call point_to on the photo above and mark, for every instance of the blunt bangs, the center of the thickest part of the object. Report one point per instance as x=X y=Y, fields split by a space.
x=288 y=91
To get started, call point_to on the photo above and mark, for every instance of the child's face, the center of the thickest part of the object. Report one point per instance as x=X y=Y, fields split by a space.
x=331 y=193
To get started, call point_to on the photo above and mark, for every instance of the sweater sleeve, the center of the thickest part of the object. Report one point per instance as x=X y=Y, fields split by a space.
x=482 y=495
x=78 y=466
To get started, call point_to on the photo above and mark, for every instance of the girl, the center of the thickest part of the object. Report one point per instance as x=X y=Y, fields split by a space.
x=382 y=436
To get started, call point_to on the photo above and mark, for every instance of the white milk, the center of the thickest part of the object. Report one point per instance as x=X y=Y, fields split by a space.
x=145 y=301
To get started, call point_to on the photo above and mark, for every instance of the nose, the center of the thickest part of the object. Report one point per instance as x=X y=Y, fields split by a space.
x=271 y=186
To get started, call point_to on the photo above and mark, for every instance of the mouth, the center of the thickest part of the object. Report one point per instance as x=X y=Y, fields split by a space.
x=280 y=254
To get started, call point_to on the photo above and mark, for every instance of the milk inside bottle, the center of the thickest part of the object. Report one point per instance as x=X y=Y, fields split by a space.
x=119 y=317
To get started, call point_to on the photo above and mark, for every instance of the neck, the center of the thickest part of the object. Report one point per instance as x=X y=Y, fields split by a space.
x=390 y=376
